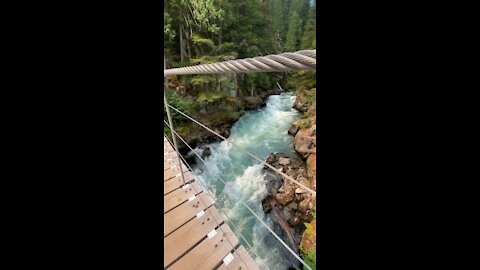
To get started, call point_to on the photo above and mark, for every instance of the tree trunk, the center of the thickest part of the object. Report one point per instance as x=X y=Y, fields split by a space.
x=287 y=229
x=182 y=49
x=189 y=51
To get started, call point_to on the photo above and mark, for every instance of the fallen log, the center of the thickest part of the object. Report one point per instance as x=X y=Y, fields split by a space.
x=285 y=227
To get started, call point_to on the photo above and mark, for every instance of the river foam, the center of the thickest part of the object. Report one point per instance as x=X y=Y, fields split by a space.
x=261 y=132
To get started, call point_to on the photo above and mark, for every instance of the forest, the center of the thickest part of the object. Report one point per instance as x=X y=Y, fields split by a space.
x=209 y=31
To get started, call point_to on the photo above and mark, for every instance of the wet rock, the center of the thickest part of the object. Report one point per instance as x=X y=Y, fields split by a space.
x=291 y=172
x=293 y=206
x=312 y=171
x=299 y=197
x=206 y=151
x=313 y=130
x=302 y=171
x=294 y=128
x=300 y=104
x=294 y=221
x=284 y=161
x=253 y=102
x=295 y=162
x=302 y=141
x=304 y=205
x=284 y=198
x=267 y=204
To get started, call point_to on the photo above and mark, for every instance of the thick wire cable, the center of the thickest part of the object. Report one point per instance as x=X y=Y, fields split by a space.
x=299 y=60
x=247 y=152
x=256 y=216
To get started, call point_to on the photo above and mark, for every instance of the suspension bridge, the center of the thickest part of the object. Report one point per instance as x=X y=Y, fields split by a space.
x=196 y=234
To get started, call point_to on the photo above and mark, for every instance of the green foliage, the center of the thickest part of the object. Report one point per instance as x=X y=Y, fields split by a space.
x=302 y=79
x=309 y=38
x=305 y=123
x=199 y=40
x=210 y=96
x=167 y=26
x=218 y=30
x=204 y=13
x=232 y=116
x=309 y=229
x=184 y=104
x=310 y=258
x=167 y=132
x=201 y=80
x=184 y=63
x=314 y=212
x=293 y=34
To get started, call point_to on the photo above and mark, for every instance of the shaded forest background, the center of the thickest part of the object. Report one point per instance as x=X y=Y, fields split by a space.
x=209 y=31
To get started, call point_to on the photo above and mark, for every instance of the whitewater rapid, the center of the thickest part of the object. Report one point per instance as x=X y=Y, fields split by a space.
x=261 y=132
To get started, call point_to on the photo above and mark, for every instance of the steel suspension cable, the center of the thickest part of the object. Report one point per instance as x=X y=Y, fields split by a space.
x=299 y=60
x=255 y=215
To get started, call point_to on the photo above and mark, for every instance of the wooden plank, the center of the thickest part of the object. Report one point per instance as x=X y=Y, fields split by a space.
x=176 y=182
x=182 y=214
x=172 y=172
x=180 y=196
x=168 y=149
x=170 y=155
x=209 y=253
x=167 y=163
x=189 y=235
x=241 y=260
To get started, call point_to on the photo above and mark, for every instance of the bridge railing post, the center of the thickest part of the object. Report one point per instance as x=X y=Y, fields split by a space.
x=171 y=123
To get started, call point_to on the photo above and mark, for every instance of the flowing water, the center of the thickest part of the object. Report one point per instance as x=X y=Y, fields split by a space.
x=261 y=132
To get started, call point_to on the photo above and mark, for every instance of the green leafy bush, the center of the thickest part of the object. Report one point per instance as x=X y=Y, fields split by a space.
x=310 y=258
x=210 y=96
x=184 y=104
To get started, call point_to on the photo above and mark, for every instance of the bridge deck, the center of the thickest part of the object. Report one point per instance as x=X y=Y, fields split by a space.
x=195 y=234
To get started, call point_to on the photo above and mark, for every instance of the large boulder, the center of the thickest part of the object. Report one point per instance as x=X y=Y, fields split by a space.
x=206 y=151
x=312 y=170
x=305 y=205
x=303 y=141
x=299 y=124
x=295 y=127
x=253 y=102
x=284 y=198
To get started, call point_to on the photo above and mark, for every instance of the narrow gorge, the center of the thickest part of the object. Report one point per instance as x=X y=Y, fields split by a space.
x=266 y=132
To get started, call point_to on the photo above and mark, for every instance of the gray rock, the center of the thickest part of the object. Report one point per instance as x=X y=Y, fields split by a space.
x=294 y=221
x=206 y=151
x=284 y=161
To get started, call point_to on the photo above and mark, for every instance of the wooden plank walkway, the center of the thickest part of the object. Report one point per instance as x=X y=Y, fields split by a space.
x=195 y=234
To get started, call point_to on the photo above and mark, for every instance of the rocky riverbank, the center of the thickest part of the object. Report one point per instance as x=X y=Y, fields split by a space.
x=296 y=204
